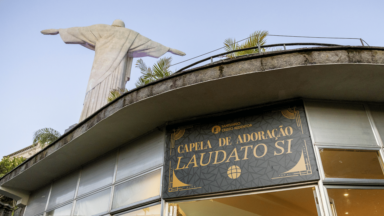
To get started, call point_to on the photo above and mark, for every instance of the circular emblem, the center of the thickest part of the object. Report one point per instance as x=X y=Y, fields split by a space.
x=234 y=172
x=216 y=129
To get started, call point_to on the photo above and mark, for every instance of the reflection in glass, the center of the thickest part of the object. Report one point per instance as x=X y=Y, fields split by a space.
x=340 y=163
x=357 y=202
x=142 y=154
x=340 y=123
x=150 y=211
x=37 y=201
x=94 y=204
x=138 y=189
x=62 y=211
x=298 y=202
x=97 y=174
x=63 y=190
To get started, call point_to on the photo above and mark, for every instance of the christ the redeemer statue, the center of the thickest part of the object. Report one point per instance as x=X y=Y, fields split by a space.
x=115 y=47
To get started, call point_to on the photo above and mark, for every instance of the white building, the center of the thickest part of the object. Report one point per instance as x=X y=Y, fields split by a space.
x=296 y=133
x=26 y=152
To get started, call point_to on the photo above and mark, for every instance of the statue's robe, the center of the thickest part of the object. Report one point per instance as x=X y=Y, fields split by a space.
x=115 y=48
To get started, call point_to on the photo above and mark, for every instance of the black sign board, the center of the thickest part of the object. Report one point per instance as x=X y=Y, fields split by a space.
x=249 y=149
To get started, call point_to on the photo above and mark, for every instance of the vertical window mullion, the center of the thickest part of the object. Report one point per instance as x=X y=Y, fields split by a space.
x=49 y=196
x=78 y=184
x=111 y=200
x=376 y=133
x=325 y=199
x=73 y=207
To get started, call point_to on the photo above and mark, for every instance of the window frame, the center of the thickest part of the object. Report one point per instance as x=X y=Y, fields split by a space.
x=116 y=152
x=120 y=213
x=379 y=142
x=348 y=181
x=316 y=195
x=67 y=203
x=95 y=192
x=124 y=209
x=326 y=187
x=142 y=202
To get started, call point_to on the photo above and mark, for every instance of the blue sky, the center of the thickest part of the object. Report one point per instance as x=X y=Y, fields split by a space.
x=43 y=80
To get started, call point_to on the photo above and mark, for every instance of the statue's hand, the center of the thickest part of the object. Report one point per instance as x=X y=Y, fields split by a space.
x=50 y=32
x=176 y=52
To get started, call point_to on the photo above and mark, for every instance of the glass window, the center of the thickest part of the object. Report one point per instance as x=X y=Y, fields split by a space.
x=356 y=202
x=341 y=163
x=377 y=112
x=63 y=189
x=95 y=204
x=297 y=202
x=149 y=211
x=37 y=201
x=62 y=211
x=138 y=189
x=97 y=174
x=340 y=123
x=141 y=155
x=19 y=211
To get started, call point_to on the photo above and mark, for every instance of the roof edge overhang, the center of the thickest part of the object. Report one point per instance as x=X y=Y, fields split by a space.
x=336 y=73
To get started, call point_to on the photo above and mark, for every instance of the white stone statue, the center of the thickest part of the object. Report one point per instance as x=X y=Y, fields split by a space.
x=115 y=47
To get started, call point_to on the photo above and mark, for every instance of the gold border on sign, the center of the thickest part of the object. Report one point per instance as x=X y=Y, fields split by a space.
x=293 y=114
x=304 y=161
x=298 y=170
x=174 y=184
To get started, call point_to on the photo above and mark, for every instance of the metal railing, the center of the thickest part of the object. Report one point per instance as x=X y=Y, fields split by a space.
x=259 y=49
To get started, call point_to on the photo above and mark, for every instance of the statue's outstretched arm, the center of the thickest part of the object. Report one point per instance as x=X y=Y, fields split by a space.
x=50 y=32
x=176 y=52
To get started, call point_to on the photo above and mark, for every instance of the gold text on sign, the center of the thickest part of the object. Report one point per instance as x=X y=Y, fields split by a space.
x=220 y=156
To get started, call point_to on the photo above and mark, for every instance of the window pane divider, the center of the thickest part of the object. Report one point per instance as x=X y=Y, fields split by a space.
x=373 y=125
x=78 y=183
x=139 y=174
x=73 y=207
x=49 y=196
x=93 y=192
x=353 y=187
x=59 y=205
x=111 y=198
x=354 y=181
x=133 y=206
x=324 y=198
x=162 y=207
x=332 y=146
x=116 y=164
x=318 y=201
x=319 y=162
x=123 y=212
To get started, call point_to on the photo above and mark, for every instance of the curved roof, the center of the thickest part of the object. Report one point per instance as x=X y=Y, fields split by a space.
x=335 y=73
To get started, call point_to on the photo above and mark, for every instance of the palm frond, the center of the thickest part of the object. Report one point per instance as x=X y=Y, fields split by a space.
x=149 y=75
x=142 y=81
x=146 y=72
x=161 y=68
x=141 y=65
x=230 y=44
x=158 y=71
x=45 y=136
x=258 y=37
x=115 y=93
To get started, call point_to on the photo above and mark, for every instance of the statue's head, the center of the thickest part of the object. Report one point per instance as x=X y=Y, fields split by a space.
x=118 y=23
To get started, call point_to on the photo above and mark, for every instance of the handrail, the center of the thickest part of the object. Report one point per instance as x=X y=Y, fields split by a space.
x=256 y=47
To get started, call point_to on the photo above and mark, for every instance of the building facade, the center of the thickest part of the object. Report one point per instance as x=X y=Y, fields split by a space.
x=296 y=132
x=26 y=152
